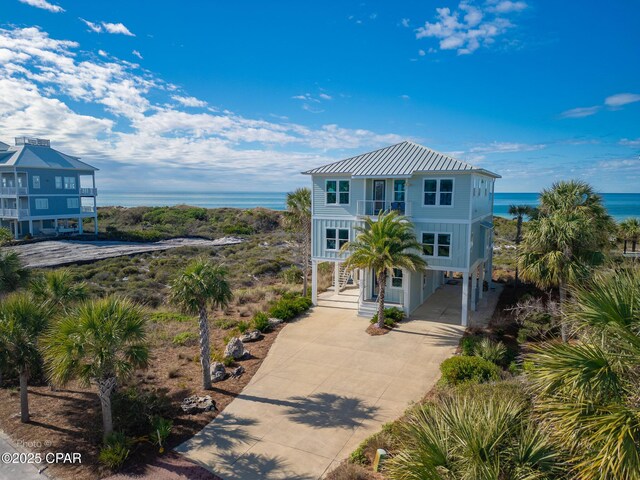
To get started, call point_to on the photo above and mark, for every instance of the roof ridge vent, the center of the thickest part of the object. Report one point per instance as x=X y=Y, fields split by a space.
x=38 y=142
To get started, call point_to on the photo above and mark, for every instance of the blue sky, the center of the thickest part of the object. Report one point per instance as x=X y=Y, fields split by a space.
x=169 y=96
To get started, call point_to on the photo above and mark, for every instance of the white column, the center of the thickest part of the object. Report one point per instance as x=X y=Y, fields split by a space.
x=95 y=224
x=336 y=277
x=80 y=225
x=474 y=285
x=314 y=282
x=406 y=285
x=481 y=282
x=489 y=264
x=31 y=227
x=465 y=299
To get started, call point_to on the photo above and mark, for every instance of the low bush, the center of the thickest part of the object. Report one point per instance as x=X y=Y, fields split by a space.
x=349 y=471
x=494 y=352
x=218 y=356
x=185 y=339
x=468 y=345
x=261 y=322
x=462 y=368
x=392 y=315
x=242 y=326
x=115 y=451
x=5 y=235
x=133 y=409
x=289 y=307
x=292 y=275
x=160 y=430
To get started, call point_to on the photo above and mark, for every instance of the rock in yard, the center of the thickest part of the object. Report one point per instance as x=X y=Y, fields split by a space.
x=252 y=336
x=235 y=349
x=275 y=321
x=218 y=372
x=236 y=372
x=197 y=404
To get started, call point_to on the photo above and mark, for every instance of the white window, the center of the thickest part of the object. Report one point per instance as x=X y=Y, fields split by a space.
x=58 y=182
x=438 y=191
x=396 y=278
x=73 y=203
x=69 y=183
x=36 y=181
x=42 y=203
x=436 y=244
x=337 y=192
x=336 y=238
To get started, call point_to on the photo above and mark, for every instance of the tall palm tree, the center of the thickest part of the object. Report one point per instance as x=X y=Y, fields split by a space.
x=59 y=289
x=13 y=275
x=588 y=389
x=630 y=232
x=202 y=285
x=519 y=212
x=22 y=321
x=382 y=245
x=567 y=238
x=100 y=342
x=298 y=219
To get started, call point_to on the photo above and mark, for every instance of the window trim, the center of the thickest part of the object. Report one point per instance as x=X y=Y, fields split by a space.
x=337 y=238
x=393 y=276
x=59 y=182
x=438 y=180
x=33 y=182
x=337 y=202
x=77 y=200
x=74 y=187
x=39 y=200
x=436 y=244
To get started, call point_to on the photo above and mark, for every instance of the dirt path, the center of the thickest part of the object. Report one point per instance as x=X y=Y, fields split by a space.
x=64 y=252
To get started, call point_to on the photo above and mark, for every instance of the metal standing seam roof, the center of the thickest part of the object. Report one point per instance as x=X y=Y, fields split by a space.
x=402 y=159
x=32 y=156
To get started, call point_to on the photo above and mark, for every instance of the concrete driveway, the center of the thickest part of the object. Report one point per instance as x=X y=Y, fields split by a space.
x=324 y=387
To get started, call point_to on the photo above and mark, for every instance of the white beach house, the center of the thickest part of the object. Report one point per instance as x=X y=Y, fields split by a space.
x=44 y=191
x=449 y=202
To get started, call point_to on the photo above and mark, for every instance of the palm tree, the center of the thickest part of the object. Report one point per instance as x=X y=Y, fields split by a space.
x=381 y=246
x=630 y=232
x=588 y=390
x=101 y=342
x=566 y=239
x=479 y=433
x=298 y=219
x=13 y=275
x=519 y=212
x=22 y=321
x=202 y=285
x=58 y=289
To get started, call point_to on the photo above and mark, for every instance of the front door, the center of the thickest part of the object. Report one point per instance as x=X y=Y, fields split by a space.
x=378 y=196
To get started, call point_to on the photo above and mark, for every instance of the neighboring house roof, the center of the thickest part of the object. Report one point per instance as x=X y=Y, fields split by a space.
x=402 y=159
x=32 y=156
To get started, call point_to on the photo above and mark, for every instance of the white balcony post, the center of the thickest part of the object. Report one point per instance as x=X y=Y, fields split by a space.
x=474 y=288
x=30 y=227
x=314 y=280
x=481 y=282
x=465 y=299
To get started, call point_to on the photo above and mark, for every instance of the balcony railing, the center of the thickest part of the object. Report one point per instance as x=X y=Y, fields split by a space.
x=372 y=208
x=89 y=192
x=14 y=191
x=87 y=209
x=23 y=212
x=9 y=212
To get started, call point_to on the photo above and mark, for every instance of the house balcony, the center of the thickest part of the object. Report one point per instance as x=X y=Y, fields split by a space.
x=88 y=192
x=87 y=209
x=14 y=212
x=372 y=208
x=13 y=191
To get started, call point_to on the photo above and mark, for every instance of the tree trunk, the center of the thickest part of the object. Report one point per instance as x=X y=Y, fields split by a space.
x=205 y=350
x=563 y=300
x=382 y=283
x=24 y=395
x=105 y=389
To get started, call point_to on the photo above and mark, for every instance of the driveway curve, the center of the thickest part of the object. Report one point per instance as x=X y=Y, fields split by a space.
x=323 y=388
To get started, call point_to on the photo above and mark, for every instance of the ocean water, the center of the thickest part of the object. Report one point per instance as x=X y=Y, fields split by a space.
x=619 y=205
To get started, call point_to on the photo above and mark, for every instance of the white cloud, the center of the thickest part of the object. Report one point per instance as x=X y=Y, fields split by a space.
x=620 y=99
x=324 y=96
x=102 y=53
x=507 y=147
x=137 y=54
x=43 y=4
x=189 y=101
x=405 y=22
x=629 y=142
x=469 y=27
x=135 y=126
x=580 y=112
x=115 y=28
x=405 y=97
x=422 y=53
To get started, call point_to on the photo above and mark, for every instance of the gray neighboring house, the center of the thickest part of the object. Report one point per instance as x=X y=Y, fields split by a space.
x=450 y=203
x=44 y=191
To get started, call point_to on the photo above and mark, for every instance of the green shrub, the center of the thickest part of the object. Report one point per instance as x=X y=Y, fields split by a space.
x=160 y=430
x=133 y=409
x=115 y=451
x=468 y=345
x=491 y=351
x=261 y=322
x=292 y=275
x=237 y=229
x=5 y=235
x=358 y=456
x=242 y=326
x=461 y=369
x=185 y=338
x=289 y=307
x=218 y=356
x=225 y=323
x=392 y=315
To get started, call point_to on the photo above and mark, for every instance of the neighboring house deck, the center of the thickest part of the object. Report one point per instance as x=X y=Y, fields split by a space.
x=450 y=203
x=44 y=191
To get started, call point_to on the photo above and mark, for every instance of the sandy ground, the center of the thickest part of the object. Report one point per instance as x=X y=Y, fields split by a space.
x=64 y=252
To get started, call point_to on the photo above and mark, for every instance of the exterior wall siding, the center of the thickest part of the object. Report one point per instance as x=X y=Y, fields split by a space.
x=320 y=207
x=459 y=250
x=461 y=193
x=48 y=183
x=57 y=206
x=319 y=226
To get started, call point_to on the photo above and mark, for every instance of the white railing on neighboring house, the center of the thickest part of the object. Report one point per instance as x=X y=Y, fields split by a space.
x=9 y=212
x=91 y=192
x=23 y=212
x=14 y=190
x=372 y=208
x=87 y=209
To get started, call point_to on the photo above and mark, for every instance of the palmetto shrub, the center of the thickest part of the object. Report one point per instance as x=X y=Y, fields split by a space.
x=392 y=315
x=115 y=451
x=461 y=369
x=494 y=352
